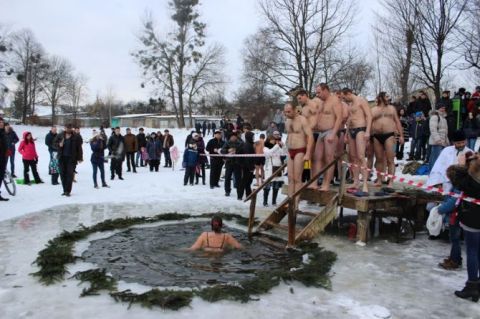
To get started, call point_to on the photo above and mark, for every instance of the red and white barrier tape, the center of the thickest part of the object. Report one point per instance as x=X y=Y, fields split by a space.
x=417 y=184
x=234 y=155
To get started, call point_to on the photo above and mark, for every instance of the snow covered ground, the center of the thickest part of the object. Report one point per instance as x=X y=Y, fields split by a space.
x=381 y=280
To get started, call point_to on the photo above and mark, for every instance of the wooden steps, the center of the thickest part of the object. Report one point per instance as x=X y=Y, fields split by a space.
x=314 y=227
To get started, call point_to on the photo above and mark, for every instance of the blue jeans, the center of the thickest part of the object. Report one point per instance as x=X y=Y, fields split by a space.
x=434 y=153
x=96 y=167
x=456 y=250
x=12 y=161
x=471 y=143
x=472 y=241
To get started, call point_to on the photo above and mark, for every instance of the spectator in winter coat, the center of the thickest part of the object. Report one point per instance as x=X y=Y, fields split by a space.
x=70 y=153
x=3 y=155
x=417 y=133
x=233 y=146
x=190 y=162
x=438 y=134
x=98 y=146
x=274 y=150
x=406 y=136
x=202 y=159
x=246 y=166
x=471 y=130
x=204 y=128
x=141 y=144
x=214 y=127
x=465 y=177
x=423 y=104
x=50 y=138
x=167 y=142
x=154 y=150
x=213 y=147
x=116 y=149
x=131 y=148
x=29 y=158
x=12 y=139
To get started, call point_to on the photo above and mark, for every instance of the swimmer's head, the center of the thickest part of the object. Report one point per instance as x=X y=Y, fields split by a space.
x=217 y=224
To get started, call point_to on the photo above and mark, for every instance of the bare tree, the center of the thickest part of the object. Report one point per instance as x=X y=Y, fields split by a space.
x=206 y=76
x=6 y=69
x=298 y=33
x=469 y=35
x=55 y=85
x=434 y=44
x=395 y=30
x=76 y=93
x=173 y=63
x=28 y=61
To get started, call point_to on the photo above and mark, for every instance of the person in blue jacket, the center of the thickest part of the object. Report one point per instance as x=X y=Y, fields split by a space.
x=190 y=162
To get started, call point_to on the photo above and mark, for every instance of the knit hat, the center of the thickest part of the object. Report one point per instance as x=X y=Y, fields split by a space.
x=458 y=136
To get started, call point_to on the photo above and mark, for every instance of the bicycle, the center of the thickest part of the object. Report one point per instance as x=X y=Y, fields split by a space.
x=9 y=183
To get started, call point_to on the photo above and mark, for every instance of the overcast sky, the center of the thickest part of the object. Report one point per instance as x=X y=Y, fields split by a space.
x=97 y=36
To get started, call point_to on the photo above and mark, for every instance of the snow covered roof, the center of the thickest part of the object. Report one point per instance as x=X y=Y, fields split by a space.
x=126 y=116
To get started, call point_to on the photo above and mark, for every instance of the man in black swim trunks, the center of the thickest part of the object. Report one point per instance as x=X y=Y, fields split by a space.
x=359 y=124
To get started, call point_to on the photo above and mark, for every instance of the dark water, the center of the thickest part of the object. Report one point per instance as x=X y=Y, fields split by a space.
x=152 y=256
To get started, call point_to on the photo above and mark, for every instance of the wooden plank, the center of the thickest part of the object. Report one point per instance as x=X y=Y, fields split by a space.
x=279 y=226
x=307 y=213
x=292 y=220
x=276 y=216
x=321 y=220
x=251 y=217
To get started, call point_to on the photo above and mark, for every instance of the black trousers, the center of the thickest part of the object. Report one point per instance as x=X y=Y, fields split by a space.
x=116 y=167
x=168 y=159
x=154 y=164
x=27 y=165
x=67 y=170
x=3 y=167
x=202 y=170
x=244 y=182
x=189 y=174
x=131 y=161
x=232 y=170
x=215 y=171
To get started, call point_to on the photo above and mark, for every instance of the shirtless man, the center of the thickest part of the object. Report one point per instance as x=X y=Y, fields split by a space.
x=309 y=111
x=385 y=124
x=300 y=144
x=342 y=130
x=359 y=125
x=329 y=119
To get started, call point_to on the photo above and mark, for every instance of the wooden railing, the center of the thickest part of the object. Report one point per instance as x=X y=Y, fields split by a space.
x=253 y=197
x=291 y=200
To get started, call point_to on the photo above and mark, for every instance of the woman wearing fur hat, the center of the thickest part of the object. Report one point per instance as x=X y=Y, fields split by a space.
x=466 y=178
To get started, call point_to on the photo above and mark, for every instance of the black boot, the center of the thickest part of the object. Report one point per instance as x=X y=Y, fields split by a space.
x=265 y=196
x=274 y=196
x=469 y=291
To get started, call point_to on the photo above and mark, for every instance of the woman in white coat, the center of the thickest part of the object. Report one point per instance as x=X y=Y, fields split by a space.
x=275 y=151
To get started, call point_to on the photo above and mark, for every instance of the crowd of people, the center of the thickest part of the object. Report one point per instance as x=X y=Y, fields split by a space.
x=319 y=129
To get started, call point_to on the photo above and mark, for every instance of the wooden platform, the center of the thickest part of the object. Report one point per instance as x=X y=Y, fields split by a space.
x=410 y=208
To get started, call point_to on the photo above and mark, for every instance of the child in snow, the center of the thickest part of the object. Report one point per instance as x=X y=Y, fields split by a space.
x=190 y=162
x=29 y=157
x=53 y=168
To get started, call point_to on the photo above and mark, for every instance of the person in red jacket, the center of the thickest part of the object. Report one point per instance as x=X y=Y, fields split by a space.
x=29 y=157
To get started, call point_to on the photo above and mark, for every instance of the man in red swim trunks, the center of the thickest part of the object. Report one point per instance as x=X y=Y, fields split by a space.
x=300 y=144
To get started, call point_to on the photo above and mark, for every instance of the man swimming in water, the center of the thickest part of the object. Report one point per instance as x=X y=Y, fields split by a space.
x=216 y=240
